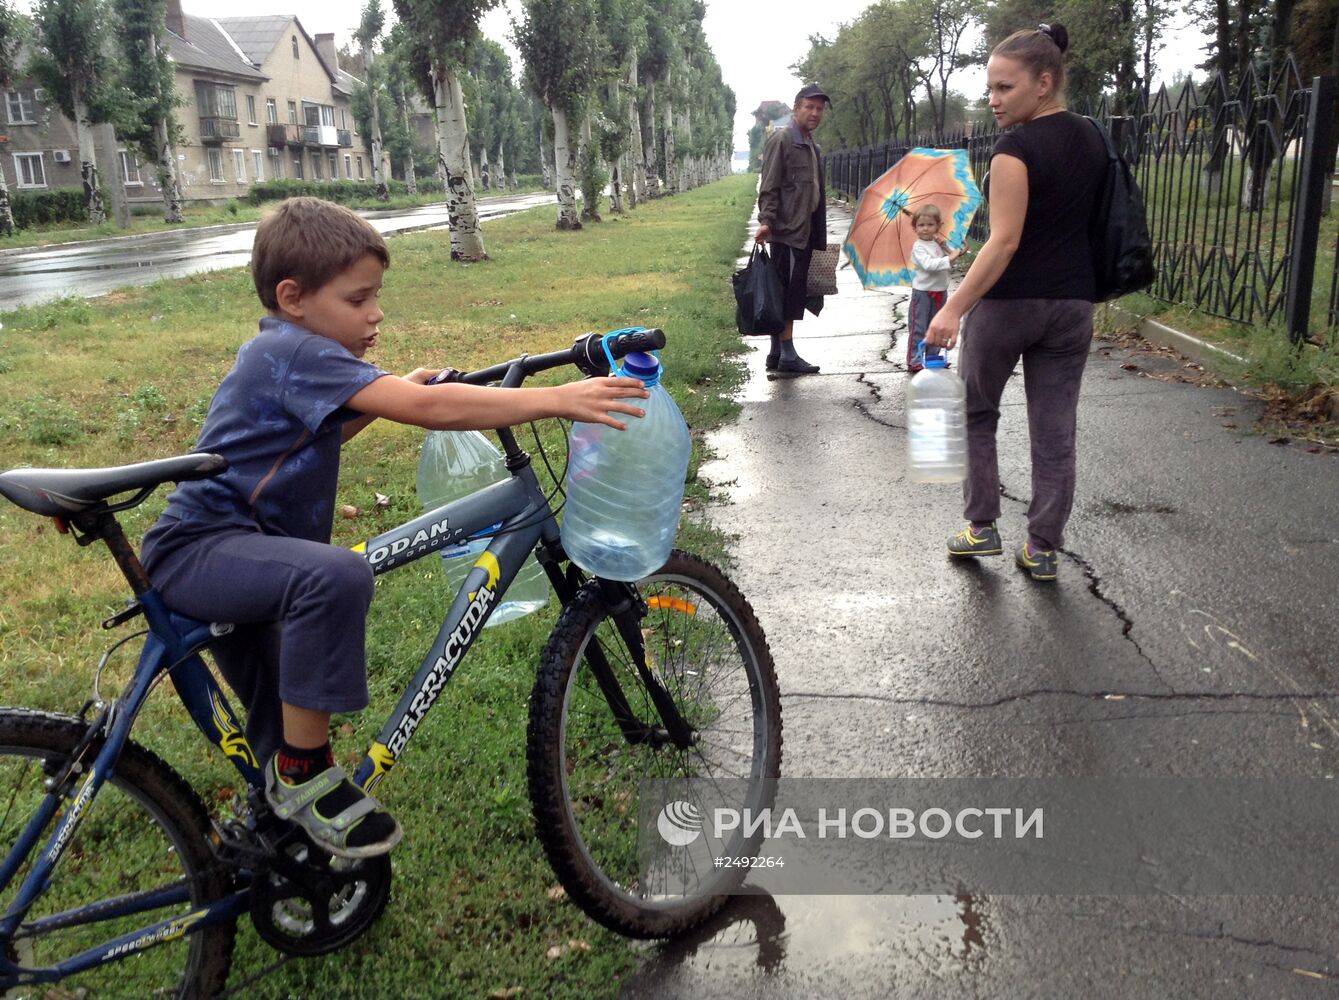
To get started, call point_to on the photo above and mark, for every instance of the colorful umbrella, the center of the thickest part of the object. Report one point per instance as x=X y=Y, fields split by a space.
x=881 y=235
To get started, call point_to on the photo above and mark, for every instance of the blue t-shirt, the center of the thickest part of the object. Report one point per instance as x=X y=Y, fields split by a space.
x=277 y=419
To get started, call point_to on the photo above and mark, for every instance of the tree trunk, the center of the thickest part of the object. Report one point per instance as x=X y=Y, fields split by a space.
x=485 y=177
x=637 y=173
x=441 y=164
x=649 y=144
x=501 y=168
x=6 y=210
x=590 y=209
x=402 y=110
x=564 y=164
x=453 y=161
x=166 y=169
x=671 y=165
x=88 y=164
x=378 y=167
x=104 y=138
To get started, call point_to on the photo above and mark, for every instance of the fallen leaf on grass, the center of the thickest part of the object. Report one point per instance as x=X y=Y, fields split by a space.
x=557 y=892
x=507 y=994
x=347 y=729
x=383 y=501
x=559 y=950
x=225 y=793
x=349 y=512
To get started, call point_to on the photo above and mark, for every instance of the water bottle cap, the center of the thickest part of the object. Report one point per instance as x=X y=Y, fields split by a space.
x=939 y=362
x=639 y=365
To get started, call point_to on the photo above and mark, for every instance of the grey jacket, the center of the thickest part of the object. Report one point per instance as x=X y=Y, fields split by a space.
x=791 y=195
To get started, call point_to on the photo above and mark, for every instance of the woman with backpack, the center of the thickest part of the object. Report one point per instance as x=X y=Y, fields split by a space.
x=1029 y=294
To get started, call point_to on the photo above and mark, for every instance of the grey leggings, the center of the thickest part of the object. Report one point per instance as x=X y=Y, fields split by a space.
x=1052 y=337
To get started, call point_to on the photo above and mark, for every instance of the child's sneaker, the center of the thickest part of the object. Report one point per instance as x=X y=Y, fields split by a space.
x=1039 y=563
x=971 y=543
x=338 y=815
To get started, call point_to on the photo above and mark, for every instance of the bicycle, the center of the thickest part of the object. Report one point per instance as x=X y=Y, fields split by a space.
x=670 y=677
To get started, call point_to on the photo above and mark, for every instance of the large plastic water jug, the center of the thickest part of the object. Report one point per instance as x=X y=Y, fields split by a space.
x=936 y=424
x=625 y=488
x=454 y=464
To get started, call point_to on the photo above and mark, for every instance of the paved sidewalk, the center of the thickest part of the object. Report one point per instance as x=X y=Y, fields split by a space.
x=1192 y=632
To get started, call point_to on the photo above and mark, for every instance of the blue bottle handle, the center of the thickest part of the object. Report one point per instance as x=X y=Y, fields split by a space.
x=614 y=367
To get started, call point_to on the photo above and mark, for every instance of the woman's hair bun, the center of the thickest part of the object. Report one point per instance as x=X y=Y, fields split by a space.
x=1057 y=34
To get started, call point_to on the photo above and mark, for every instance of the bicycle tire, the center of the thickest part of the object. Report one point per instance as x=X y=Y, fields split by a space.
x=145 y=819
x=705 y=644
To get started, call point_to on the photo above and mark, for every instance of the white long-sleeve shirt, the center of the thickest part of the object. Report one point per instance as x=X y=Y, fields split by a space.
x=932 y=266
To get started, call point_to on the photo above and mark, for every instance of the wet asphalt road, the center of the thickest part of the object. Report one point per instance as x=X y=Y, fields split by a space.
x=1197 y=587
x=99 y=266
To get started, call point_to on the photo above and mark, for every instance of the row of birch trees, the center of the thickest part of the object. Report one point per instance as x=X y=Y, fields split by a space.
x=626 y=93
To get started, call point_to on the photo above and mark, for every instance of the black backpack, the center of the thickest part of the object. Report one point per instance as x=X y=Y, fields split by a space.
x=1118 y=230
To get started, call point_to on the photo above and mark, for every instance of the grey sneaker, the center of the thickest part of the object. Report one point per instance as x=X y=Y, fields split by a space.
x=1039 y=563
x=969 y=543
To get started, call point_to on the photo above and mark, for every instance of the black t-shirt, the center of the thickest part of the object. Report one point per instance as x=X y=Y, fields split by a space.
x=1066 y=162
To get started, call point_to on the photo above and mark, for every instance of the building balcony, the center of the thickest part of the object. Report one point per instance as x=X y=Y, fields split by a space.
x=216 y=129
x=283 y=135
x=345 y=137
x=320 y=135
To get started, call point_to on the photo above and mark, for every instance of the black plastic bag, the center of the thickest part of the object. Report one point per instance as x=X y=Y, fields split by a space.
x=1118 y=230
x=760 y=299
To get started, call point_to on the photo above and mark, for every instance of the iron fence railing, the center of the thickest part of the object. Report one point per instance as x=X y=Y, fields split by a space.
x=1235 y=186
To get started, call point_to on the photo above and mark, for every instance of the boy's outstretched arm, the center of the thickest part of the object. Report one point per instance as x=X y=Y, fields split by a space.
x=454 y=406
x=419 y=376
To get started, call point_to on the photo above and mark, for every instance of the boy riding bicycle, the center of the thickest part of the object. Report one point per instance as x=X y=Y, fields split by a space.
x=251 y=546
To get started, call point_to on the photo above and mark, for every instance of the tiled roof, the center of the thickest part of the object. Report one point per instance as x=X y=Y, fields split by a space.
x=206 y=47
x=256 y=36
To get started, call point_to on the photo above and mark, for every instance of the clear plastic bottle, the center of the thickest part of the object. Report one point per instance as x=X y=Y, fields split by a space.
x=454 y=464
x=625 y=488
x=936 y=424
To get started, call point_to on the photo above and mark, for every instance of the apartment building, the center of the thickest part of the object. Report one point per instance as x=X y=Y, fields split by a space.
x=263 y=99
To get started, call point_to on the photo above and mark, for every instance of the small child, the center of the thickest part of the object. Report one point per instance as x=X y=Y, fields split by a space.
x=251 y=546
x=929 y=287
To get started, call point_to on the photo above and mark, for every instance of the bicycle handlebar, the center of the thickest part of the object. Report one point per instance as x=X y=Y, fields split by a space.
x=587 y=353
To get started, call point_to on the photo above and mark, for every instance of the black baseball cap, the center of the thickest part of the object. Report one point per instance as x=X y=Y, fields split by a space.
x=811 y=90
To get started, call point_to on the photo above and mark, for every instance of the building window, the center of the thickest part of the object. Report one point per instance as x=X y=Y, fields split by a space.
x=276 y=164
x=348 y=167
x=129 y=169
x=214 y=100
x=343 y=119
x=295 y=46
x=271 y=112
x=239 y=165
x=257 y=167
x=29 y=170
x=215 y=158
x=297 y=168
x=250 y=110
x=334 y=167
x=360 y=167
x=328 y=115
x=316 y=165
x=22 y=106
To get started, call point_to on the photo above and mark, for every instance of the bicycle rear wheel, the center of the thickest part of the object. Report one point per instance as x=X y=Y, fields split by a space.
x=146 y=829
x=705 y=646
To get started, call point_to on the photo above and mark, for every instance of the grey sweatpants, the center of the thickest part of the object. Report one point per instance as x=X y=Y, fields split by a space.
x=300 y=610
x=1052 y=337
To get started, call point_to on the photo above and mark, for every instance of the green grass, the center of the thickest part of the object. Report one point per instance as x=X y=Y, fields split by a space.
x=196 y=217
x=127 y=377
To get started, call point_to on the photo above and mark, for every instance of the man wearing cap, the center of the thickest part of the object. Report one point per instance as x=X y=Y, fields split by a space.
x=792 y=216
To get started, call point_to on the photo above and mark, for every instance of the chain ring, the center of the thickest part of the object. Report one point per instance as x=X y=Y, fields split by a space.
x=285 y=916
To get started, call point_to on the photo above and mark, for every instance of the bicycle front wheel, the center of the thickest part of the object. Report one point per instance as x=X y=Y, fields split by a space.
x=588 y=767
x=145 y=830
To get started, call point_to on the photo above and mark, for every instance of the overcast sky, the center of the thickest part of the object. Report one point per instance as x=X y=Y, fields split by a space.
x=755 y=41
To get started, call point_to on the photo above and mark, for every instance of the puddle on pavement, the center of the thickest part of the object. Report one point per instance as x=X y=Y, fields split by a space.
x=764 y=935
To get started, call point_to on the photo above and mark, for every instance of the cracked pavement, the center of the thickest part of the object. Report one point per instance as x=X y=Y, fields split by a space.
x=1191 y=633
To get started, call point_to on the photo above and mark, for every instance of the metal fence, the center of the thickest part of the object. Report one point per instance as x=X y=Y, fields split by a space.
x=1235 y=183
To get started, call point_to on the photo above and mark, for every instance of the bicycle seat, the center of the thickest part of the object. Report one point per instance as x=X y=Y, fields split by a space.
x=63 y=492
